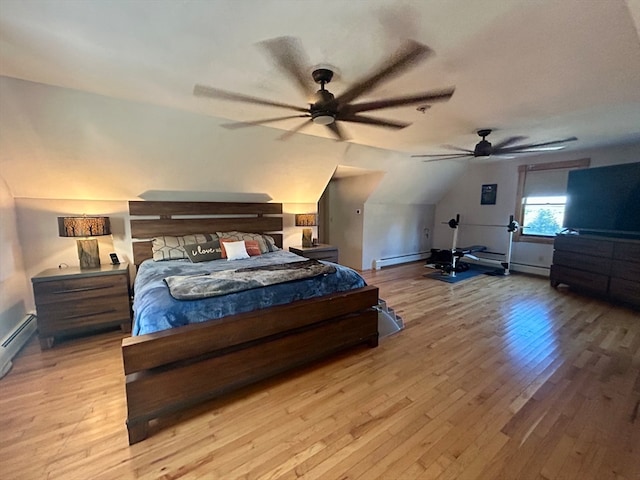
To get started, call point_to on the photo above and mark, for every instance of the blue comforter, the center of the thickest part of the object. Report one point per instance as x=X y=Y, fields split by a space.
x=154 y=309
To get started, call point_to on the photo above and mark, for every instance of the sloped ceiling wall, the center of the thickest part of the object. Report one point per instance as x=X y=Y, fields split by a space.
x=64 y=144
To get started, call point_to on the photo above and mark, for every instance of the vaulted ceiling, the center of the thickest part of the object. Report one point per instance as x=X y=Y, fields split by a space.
x=544 y=69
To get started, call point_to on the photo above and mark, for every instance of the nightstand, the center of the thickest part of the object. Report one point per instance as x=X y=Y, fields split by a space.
x=71 y=300
x=319 y=252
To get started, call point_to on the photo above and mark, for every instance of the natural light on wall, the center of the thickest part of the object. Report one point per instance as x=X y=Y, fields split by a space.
x=543 y=216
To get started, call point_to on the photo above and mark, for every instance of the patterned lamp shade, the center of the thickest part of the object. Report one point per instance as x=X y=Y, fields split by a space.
x=82 y=228
x=306 y=220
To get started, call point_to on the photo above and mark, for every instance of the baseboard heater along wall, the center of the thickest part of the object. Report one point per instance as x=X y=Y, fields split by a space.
x=531 y=269
x=14 y=341
x=414 y=257
x=410 y=257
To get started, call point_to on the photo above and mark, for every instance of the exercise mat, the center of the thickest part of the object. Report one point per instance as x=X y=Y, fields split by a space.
x=474 y=271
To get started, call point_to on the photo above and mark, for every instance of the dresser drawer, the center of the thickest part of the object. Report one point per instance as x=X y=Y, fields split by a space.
x=584 y=246
x=579 y=278
x=627 y=270
x=628 y=252
x=625 y=291
x=80 y=288
x=579 y=261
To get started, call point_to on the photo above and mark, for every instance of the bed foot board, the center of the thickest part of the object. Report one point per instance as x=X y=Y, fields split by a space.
x=137 y=431
x=154 y=393
x=170 y=371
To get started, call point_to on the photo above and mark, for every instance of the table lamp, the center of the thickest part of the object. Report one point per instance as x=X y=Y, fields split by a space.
x=84 y=229
x=306 y=220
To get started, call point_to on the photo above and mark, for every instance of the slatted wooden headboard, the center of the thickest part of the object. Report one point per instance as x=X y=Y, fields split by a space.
x=187 y=218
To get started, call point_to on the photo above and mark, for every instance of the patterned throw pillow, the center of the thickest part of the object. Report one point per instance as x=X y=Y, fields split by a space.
x=258 y=237
x=172 y=248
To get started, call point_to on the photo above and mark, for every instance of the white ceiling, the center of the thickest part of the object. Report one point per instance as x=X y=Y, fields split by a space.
x=546 y=69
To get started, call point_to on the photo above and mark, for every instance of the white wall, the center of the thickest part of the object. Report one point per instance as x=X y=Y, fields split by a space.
x=396 y=230
x=464 y=198
x=347 y=197
x=380 y=230
x=14 y=281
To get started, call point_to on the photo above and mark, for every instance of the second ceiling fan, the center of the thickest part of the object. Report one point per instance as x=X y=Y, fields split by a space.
x=325 y=108
x=506 y=147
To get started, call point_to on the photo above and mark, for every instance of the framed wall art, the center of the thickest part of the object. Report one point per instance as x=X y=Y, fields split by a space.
x=488 y=196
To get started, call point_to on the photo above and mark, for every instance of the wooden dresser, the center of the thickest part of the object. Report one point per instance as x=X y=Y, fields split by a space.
x=71 y=300
x=608 y=267
x=321 y=251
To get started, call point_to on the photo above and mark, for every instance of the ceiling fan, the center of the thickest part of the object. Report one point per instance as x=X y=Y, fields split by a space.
x=506 y=147
x=325 y=108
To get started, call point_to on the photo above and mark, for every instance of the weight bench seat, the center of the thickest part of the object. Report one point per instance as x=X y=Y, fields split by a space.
x=461 y=252
x=443 y=259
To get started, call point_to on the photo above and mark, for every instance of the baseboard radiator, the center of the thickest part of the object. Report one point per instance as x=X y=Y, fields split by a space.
x=14 y=341
x=531 y=269
x=410 y=257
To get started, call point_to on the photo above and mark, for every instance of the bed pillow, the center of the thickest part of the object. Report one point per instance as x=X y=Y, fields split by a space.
x=271 y=243
x=234 y=250
x=172 y=248
x=235 y=235
x=253 y=249
x=251 y=246
x=204 y=252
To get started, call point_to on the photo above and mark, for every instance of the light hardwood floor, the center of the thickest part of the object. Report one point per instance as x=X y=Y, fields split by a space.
x=493 y=378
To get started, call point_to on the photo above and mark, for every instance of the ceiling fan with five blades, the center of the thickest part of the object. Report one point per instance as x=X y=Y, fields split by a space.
x=325 y=108
x=506 y=147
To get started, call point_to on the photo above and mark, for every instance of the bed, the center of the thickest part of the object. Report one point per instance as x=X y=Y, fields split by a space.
x=169 y=359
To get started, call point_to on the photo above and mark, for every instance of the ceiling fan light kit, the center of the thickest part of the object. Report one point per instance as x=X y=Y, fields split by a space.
x=320 y=115
x=483 y=148
x=328 y=109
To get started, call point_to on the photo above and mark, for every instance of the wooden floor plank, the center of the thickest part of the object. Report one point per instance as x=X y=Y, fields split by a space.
x=493 y=377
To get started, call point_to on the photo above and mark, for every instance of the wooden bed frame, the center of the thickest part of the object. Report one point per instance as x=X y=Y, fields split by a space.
x=174 y=369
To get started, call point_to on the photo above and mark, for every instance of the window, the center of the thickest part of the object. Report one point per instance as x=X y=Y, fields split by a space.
x=543 y=216
x=541 y=199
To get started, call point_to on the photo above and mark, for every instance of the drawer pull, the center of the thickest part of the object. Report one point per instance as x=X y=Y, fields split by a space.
x=86 y=315
x=84 y=289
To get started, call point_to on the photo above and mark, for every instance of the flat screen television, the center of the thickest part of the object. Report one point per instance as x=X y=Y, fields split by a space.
x=604 y=200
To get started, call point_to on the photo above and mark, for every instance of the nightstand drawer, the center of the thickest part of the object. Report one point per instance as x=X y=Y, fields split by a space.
x=66 y=316
x=329 y=255
x=80 y=289
x=319 y=252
